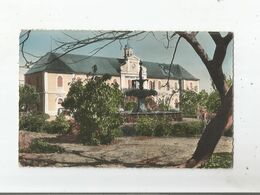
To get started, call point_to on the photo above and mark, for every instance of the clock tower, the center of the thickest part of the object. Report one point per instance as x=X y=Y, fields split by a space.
x=128 y=51
x=129 y=70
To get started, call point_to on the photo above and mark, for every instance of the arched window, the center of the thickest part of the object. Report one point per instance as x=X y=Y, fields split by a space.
x=129 y=84
x=159 y=85
x=191 y=87
x=59 y=81
x=176 y=86
x=168 y=86
x=60 y=100
x=196 y=88
x=151 y=85
x=176 y=103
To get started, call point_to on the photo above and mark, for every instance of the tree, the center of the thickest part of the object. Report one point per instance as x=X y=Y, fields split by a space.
x=213 y=102
x=202 y=98
x=28 y=98
x=224 y=117
x=95 y=107
x=189 y=103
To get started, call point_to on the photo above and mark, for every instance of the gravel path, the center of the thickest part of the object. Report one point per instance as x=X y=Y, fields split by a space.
x=124 y=152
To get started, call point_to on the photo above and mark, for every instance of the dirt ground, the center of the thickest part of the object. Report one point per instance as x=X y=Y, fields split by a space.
x=124 y=152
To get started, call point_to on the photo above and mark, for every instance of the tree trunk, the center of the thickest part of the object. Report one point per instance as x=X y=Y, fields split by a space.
x=213 y=132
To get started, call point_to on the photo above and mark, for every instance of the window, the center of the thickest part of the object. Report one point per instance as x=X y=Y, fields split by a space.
x=151 y=85
x=191 y=87
x=59 y=81
x=176 y=86
x=168 y=86
x=129 y=84
x=196 y=88
x=159 y=85
x=176 y=103
x=60 y=100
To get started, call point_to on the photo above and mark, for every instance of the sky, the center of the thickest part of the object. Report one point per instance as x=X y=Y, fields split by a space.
x=147 y=48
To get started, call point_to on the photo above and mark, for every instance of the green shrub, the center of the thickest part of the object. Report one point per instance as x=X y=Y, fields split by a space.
x=145 y=126
x=129 y=106
x=33 y=122
x=41 y=146
x=179 y=129
x=128 y=130
x=118 y=133
x=220 y=160
x=60 y=125
x=162 y=128
x=188 y=129
x=29 y=98
x=95 y=107
x=195 y=128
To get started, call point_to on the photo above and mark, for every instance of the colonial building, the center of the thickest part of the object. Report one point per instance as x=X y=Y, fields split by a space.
x=52 y=74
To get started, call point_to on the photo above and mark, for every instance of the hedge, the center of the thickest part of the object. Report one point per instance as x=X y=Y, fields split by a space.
x=162 y=127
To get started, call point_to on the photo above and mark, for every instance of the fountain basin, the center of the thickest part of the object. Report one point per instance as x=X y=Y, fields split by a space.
x=132 y=117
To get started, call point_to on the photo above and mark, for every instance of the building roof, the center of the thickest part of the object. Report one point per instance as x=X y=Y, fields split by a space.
x=81 y=64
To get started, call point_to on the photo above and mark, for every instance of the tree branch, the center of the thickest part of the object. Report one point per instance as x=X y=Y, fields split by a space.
x=228 y=38
x=216 y=36
x=191 y=39
x=173 y=56
x=27 y=33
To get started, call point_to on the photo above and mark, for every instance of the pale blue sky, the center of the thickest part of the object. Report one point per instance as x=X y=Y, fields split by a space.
x=148 y=49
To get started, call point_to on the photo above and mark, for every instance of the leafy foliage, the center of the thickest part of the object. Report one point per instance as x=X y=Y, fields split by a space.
x=147 y=126
x=213 y=102
x=128 y=130
x=28 y=98
x=163 y=128
x=189 y=102
x=60 y=125
x=130 y=105
x=41 y=146
x=187 y=129
x=33 y=122
x=95 y=106
x=162 y=105
x=202 y=98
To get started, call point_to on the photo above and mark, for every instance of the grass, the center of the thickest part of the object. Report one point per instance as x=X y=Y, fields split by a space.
x=220 y=160
x=41 y=146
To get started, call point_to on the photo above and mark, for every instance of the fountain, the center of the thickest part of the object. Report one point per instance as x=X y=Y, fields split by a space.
x=140 y=93
x=141 y=109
